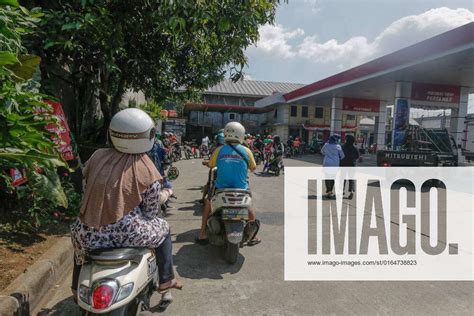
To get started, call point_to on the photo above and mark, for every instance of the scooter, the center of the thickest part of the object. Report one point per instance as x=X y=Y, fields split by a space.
x=204 y=152
x=190 y=150
x=228 y=224
x=117 y=281
x=274 y=165
x=257 y=154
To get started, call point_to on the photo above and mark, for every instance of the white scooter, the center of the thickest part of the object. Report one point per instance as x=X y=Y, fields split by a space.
x=228 y=223
x=117 y=281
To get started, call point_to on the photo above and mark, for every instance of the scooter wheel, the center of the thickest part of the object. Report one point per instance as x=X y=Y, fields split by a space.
x=231 y=252
x=173 y=173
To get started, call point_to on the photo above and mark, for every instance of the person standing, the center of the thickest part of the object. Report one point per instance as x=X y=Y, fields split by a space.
x=205 y=141
x=333 y=155
x=351 y=155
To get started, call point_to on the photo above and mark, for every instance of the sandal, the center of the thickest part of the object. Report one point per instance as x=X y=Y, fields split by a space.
x=174 y=285
x=166 y=300
x=254 y=242
x=201 y=242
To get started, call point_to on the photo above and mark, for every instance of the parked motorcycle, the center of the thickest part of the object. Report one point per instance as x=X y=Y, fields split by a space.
x=315 y=148
x=204 y=152
x=173 y=152
x=228 y=224
x=257 y=154
x=190 y=150
x=117 y=281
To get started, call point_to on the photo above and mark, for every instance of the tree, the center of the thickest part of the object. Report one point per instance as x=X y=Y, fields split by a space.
x=97 y=49
x=25 y=144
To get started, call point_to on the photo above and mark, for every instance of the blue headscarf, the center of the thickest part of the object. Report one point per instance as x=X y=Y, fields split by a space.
x=334 y=139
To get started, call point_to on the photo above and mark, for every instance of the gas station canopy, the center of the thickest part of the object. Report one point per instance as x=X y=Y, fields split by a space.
x=446 y=61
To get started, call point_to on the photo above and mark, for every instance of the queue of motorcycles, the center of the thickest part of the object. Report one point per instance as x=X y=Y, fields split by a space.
x=315 y=148
x=188 y=150
x=121 y=281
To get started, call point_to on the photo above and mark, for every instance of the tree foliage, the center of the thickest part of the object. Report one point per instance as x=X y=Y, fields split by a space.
x=25 y=144
x=98 y=49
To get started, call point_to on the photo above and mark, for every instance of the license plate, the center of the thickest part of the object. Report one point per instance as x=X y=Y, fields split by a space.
x=151 y=265
x=236 y=213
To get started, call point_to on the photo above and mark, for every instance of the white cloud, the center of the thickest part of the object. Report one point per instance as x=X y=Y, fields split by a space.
x=331 y=51
x=414 y=28
x=274 y=39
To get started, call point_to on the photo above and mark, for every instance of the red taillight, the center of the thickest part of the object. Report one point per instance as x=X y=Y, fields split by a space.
x=102 y=296
x=386 y=164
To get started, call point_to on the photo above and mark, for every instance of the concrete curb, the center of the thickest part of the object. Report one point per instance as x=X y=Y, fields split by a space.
x=26 y=291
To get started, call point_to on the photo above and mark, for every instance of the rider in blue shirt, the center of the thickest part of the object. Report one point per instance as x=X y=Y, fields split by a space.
x=233 y=162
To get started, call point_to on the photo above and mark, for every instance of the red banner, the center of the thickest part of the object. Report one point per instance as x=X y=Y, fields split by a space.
x=435 y=92
x=360 y=105
x=62 y=140
x=169 y=113
x=18 y=177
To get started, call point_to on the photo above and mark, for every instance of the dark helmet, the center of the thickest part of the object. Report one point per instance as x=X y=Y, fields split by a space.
x=276 y=139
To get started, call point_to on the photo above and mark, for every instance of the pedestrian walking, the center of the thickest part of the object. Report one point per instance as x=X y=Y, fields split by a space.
x=351 y=155
x=333 y=155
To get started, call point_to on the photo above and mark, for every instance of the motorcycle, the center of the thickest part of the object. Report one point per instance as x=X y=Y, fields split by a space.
x=257 y=154
x=274 y=165
x=176 y=152
x=190 y=150
x=204 y=152
x=228 y=224
x=117 y=281
x=315 y=148
x=173 y=152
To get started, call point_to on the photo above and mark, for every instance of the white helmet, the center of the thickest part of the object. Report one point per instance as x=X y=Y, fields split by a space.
x=234 y=132
x=132 y=131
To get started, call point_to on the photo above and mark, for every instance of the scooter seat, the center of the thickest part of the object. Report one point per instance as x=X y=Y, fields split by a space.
x=117 y=254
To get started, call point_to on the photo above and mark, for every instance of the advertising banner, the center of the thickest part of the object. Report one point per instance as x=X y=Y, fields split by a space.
x=63 y=138
x=360 y=105
x=18 y=177
x=431 y=95
x=401 y=119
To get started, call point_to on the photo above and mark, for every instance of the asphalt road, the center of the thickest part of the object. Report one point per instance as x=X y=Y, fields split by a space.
x=255 y=284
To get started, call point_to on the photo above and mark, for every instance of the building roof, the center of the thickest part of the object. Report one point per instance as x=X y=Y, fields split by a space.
x=251 y=88
x=445 y=59
x=223 y=108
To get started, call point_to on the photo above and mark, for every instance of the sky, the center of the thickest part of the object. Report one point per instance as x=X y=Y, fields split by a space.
x=313 y=39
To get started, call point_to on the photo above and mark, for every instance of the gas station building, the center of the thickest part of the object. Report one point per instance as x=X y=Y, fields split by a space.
x=437 y=73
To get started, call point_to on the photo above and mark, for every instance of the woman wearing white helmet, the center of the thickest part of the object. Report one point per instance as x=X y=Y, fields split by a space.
x=122 y=198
